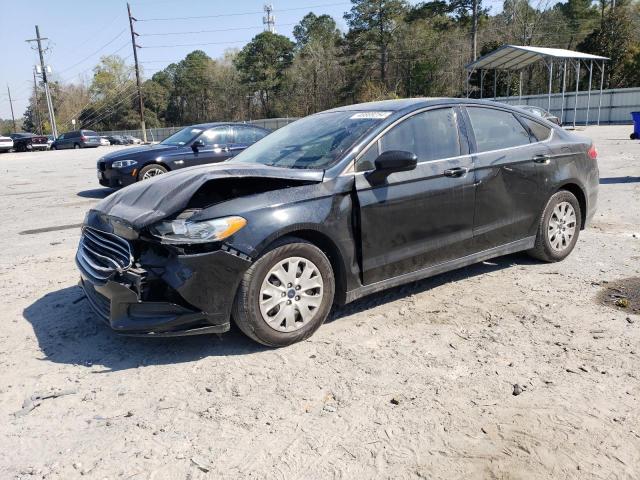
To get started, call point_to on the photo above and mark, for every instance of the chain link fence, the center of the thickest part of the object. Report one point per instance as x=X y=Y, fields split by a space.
x=159 y=134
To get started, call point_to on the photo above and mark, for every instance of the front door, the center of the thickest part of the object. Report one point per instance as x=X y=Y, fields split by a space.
x=509 y=169
x=216 y=147
x=422 y=217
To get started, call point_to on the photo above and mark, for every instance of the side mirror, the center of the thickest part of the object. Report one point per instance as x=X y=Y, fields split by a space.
x=390 y=162
x=198 y=144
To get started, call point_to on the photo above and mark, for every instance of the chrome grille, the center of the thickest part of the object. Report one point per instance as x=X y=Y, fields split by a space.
x=101 y=254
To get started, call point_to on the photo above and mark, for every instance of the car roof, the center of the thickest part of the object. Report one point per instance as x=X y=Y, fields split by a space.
x=218 y=124
x=409 y=104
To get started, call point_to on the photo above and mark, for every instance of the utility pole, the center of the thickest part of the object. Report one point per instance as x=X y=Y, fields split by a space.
x=11 y=103
x=52 y=115
x=135 y=59
x=35 y=94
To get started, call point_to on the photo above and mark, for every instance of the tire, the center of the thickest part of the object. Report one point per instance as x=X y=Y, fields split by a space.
x=76 y=146
x=247 y=312
x=148 y=171
x=557 y=232
x=53 y=147
x=21 y=148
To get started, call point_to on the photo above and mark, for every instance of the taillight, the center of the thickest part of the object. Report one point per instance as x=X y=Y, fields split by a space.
x=83 y=138
x=592 y=152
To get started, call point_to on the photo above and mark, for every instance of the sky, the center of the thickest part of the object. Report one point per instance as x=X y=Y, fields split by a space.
x=80 y=32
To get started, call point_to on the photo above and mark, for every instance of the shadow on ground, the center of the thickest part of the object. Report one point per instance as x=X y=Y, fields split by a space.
x=69 y=332
x=414 y=288
x=612 y=180
x=96 y=193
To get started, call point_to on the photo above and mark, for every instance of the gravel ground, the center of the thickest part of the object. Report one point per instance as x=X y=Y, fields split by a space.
x=416 y=382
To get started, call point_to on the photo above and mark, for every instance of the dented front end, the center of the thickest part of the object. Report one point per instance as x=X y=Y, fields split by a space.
x=165 y=291
x=143 y=285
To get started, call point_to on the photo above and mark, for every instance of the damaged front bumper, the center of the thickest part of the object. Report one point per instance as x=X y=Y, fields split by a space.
x=165 y=293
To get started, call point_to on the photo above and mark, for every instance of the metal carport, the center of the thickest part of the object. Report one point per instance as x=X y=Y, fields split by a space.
x=514 y=58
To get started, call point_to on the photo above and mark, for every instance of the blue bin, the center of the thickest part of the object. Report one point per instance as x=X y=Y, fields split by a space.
x=636 y=125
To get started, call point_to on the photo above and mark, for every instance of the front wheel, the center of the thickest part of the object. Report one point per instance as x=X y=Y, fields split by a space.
x=558 y=228
x=286 y=294
x=151 y=171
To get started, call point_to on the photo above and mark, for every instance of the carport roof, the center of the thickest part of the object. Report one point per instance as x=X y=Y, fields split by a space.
x=515 y=57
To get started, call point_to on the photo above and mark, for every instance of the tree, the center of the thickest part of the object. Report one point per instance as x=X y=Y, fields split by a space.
x=615 y=39
x=262 y=64
x=372 y=24
x=321 y=29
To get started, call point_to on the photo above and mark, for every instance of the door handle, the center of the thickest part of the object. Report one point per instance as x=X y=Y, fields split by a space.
x=544 y=159
x=456 y=172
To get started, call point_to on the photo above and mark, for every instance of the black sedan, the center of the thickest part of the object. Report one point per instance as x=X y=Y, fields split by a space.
x=330 y=208
x=196 y=145
x=117 y=140
x=27 y=142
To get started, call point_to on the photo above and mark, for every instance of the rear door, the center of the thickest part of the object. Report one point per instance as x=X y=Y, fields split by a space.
x=510 y=165
x=422 y=217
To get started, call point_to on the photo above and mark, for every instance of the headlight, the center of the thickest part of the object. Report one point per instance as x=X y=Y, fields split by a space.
x=123 y=163
x=185 y=231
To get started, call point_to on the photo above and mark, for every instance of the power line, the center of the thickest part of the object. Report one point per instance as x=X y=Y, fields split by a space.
x=241 y=13
x=196 y=44
x=97 y=51
x=257 y=27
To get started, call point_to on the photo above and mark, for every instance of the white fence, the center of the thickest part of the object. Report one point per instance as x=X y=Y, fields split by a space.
x=616 y=108
x=159 y=134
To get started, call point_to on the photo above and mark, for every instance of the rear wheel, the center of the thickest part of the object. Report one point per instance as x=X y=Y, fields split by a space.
x=558 y=228
x=151 y=171
x=286 y=294
x=76 y=146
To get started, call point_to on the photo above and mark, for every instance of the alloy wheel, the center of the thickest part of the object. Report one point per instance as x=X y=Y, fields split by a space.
x=291 y=294
x=152 y=172
x=562 y=226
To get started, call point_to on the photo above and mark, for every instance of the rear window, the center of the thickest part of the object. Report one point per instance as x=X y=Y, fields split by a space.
x=539 y=131
x=89 y=133
x=246 y=135
x=496 y=129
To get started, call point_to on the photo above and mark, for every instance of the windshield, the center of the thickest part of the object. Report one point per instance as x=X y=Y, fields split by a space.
x=317 y=141
x=182 y=137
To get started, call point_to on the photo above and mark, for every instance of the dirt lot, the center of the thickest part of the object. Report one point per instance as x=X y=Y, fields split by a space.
x=416 y=382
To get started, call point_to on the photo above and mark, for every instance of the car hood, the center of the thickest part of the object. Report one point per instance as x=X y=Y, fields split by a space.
x=130 y=152
x=150 y=201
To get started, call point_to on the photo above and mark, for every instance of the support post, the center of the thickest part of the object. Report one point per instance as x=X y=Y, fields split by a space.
x=520 y=88
x=601 y=84
x=135 y=59
x=575 y=102
x=564 y=85
x=589 y=93
x=13 y=118
x=481 y=82
x=550 y=85
x=495 y=84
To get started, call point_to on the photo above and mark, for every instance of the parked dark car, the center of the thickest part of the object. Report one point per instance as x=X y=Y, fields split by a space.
x=196 y=145
x=117 y=140
x=330 y=208
x=541 y=112
x=77 y=139
x=26 y=142
x=131 y=140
